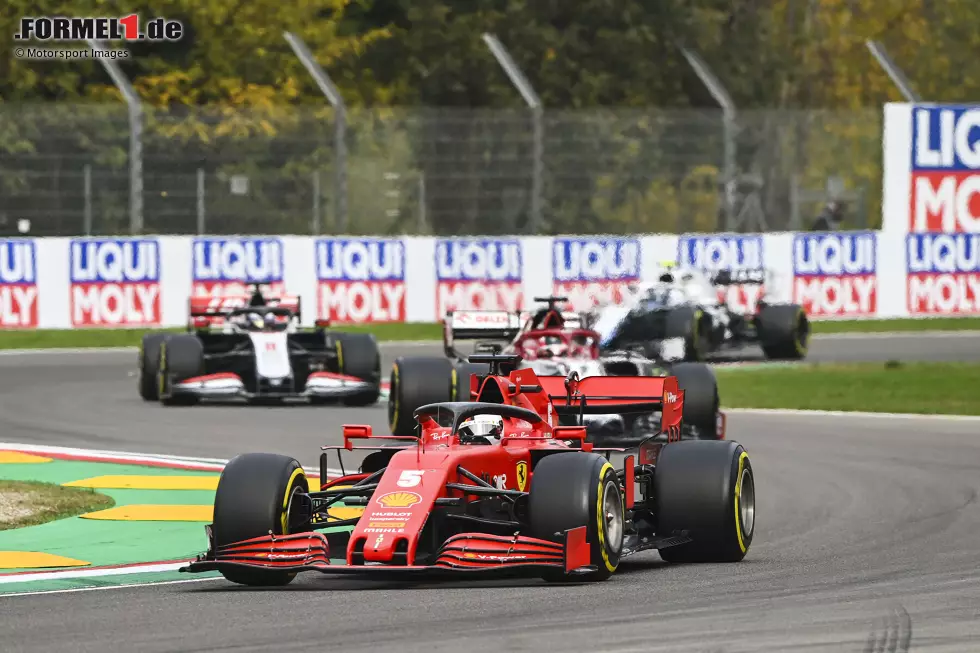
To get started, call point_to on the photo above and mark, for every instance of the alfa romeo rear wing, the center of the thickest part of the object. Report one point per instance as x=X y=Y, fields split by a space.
x=478 y=325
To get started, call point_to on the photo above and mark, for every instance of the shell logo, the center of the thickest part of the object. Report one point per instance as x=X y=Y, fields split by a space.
x=399 y=499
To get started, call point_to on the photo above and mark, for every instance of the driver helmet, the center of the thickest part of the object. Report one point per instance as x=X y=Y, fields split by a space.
x=482 y=426
x=257 y=320
x=667 y=275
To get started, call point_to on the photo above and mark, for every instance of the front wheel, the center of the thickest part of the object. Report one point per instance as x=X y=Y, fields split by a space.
x=570 y=490
x=706 y=488
x=254 y=496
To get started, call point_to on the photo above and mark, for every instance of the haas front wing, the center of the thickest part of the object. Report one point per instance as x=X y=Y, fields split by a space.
x=463 y=553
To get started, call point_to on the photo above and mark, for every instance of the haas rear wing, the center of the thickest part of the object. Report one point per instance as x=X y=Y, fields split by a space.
x=219 y=307
x=478 y=325
x=601 y=395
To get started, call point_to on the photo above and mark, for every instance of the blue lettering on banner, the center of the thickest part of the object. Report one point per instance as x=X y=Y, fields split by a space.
x=721 y=252
x=497 y=260
x=242 y=259
x=848 y=254
x=943 y=253
x=596 y=259
x=18 y=262
x=946 y=138
x=343 y=259
x=115 y=260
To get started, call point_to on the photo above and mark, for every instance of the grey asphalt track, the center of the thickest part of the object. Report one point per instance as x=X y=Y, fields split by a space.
x=866 y=527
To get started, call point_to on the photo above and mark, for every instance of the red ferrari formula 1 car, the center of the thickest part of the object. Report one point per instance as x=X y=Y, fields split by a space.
x=491 y=485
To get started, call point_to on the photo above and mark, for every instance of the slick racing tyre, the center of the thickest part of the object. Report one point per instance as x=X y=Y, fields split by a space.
x=461 y=388
x=784 y=331
x=358 y=355
x=254 y=496
x=181 y=357
x=693 y=326
x=570 y=490
x=417 y=381
x=149 y=362
x=687 y=481
x=700 y=387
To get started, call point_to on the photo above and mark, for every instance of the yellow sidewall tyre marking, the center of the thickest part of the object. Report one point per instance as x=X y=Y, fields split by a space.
x=738 y=493
x=601 y=519
x=340 y=356
x=800 y=347
x=454 y=386
x=162 y=372
x=298 y=472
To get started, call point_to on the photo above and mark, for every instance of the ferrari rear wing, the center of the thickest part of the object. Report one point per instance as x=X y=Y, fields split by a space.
x=602 y=395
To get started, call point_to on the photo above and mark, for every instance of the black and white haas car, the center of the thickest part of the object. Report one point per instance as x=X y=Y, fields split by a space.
x=254 y=349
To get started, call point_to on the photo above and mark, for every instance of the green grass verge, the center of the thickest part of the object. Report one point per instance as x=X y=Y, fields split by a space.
x=72 y=338
x=29 y=503
x=892 y=387
x=872 y=326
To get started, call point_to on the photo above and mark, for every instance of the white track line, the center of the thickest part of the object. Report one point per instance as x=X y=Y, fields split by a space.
x=69 y=574
x=787 y=412
x=110 y=587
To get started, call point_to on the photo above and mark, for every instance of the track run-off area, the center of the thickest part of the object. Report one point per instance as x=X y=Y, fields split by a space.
x=866 y=536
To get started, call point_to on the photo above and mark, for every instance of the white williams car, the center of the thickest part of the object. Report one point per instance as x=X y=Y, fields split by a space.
x=683 y=306
x=254 y=349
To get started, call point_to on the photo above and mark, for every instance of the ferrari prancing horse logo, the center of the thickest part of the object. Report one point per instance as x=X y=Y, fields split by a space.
x=521 y=475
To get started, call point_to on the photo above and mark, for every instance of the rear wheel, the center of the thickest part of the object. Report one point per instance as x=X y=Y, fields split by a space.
x=181 y=358
x=706 y=488
x=784 y=331
x=358 y=356
x=254 y=495
x=570 y=490
x=415 y=382
x=461 y=389
x=149 y=362
x=701 y=402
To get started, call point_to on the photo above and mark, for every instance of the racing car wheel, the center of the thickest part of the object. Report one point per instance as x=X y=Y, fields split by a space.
x=687 y=480
x=149 y=365
x=784 y=331
x=570 y=490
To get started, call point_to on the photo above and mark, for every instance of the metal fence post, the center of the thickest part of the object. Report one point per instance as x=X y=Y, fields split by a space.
x=894 y=72
x=524 y=87
x=333 y=96
x=730 y=130
x=200 y=202
x=135 y=136
x=315 y=221
x=87 y=180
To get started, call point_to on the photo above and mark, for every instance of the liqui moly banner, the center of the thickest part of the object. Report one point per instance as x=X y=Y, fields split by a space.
x=227 y=266
x=943 y=274
x=360 y=280
x=932 y=169
x=835 y=274
x=727 y=252
x=18 y=284
x=590 y=271
x=473 y=274
x=114 y=282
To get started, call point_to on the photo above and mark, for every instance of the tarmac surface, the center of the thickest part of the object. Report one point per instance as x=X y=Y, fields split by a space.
x=866 y=538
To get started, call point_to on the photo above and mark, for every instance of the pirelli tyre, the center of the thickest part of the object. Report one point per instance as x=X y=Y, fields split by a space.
x=358 y=355
x=691 y=324
x=706 y=488
x=784 y=331
x=570 y=490
x=417 y=381
x=181 y=357
x=259 y=493
x=149 y=361
x=701 y=401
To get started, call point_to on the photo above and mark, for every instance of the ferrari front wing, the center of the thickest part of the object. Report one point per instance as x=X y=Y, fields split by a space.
x=463 y=553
